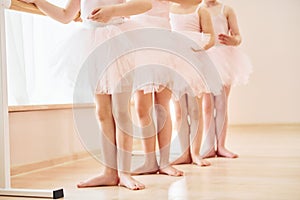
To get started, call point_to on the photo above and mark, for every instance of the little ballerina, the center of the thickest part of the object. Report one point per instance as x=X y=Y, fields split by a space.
x=234 y=68
x=157 y=17
x=101 y=21
x=194 y=22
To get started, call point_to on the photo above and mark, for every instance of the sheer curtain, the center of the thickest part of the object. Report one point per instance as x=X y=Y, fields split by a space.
x=31 y=41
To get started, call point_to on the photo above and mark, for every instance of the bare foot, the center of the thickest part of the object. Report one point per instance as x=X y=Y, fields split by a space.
x=223 y=152
x=183 y=159
x=171 y=171
x=210 y=154
x=101 y=180
x=198 y=160
x=146 y=168
x=127 y=181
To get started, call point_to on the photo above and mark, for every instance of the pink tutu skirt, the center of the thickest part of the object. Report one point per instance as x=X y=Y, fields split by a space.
x=196 y=78
x=232 y=63
x=157 y=78
x=67 y=62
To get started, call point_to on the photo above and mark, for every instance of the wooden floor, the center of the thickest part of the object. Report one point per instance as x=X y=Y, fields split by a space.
x=268 y=168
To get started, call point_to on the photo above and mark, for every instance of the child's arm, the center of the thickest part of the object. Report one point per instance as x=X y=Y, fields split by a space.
x=190 y=2
x=63 y=15
x=207 y=26
x=234 y=39
x=132 y=7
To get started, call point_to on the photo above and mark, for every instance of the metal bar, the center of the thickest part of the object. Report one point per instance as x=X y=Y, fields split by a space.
x=24 y=7
x=53 y=194
x=4 y=131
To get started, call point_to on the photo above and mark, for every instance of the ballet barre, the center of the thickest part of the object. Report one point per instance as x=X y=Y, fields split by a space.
x=22 y=7
x=5 y=185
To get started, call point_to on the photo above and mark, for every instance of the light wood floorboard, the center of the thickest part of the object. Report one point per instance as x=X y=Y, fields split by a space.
x=268 y=168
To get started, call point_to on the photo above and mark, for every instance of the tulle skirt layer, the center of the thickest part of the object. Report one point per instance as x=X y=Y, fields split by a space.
x=73 y=54
x=232 y=63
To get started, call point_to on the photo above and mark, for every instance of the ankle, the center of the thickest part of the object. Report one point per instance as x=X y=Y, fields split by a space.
x=195 y=155
x=220 y=148
x=111 y=172
x=150 y=161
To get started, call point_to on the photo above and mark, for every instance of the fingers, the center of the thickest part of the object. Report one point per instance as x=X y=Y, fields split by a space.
x=96 y=18
x=223 y=35
x=226 y=39
x=99 y=16
x=95 y=11
x=223 y=38
x=223 y=41
x=95 y=14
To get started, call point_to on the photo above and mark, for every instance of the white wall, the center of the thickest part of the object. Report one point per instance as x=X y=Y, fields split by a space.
x=37 y=136
x=271 y=32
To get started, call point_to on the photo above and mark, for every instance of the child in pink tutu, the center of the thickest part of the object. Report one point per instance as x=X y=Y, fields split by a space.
x=195 y=23
x=157 y=17
x=101 y=21
x=234 y=68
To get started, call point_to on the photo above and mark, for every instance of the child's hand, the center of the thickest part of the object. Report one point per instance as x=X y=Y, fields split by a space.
x=103 y=14
x=228 y=40
x=27 y=1
x=78 y=17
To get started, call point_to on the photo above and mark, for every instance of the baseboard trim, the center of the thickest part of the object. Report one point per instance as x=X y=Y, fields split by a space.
x=30 y=108
x=265 y=125
x=22 y=169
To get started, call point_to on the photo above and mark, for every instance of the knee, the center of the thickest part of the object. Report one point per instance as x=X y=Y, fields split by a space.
x=121 y=113
x=142 y=112
x=103 y=114
x=162 y=113
x=221 y=104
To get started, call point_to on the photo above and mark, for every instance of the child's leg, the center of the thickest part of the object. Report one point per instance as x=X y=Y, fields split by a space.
x=122 y=116
x=183 y=130
x=144 y=105
x=165 y=133
x=109 y=176
x=209 y=129
x=195 y=111
x=221 y=124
